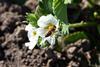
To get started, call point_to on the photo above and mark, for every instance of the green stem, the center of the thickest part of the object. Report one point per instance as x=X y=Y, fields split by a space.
x=67 y=15
x=82 y=24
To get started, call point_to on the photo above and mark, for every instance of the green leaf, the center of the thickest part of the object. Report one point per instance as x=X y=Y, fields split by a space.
x=44 y=8
x=32 y=19
x=94 y=2
x=62 y=41
x=60 y=10
x=39 y=40
x=73 y=2
x=67 y=1
x=74 y=37
x=47 y=5
x=42 y=45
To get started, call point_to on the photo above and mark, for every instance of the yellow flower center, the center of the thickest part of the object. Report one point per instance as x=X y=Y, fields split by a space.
x=50 y=26
x=34 y=33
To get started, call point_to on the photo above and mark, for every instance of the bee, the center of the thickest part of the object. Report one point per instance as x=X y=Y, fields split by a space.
x=50 y=31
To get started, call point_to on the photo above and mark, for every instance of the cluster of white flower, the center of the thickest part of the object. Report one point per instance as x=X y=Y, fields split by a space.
x=47 y=26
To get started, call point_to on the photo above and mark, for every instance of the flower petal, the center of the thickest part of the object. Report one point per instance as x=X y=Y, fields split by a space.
x=31 y=30
x=41 y=32
x=30 y=35
x=42 y=21
x=45 y=20
x=28 y=27
x=51 y=40
x=30 y=45
x=52 y=19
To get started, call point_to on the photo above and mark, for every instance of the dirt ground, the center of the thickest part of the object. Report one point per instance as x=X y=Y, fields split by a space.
x=13 y=52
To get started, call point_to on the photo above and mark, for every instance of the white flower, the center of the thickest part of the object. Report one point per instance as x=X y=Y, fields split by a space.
x=32 y=36
x=48 y=25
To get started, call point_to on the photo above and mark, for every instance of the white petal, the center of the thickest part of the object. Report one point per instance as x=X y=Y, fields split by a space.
x=30 y=45
x=41 y=32
x=31 y=37
x=42 y=21
x=51 y=40
x=45 y=20
x=28 y=27
x=57 y=26
x=52 y=19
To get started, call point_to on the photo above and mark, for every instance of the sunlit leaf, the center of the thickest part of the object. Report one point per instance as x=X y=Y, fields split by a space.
x=73 y=2
x=67 y=1
x=60 y=10
x=32 y=19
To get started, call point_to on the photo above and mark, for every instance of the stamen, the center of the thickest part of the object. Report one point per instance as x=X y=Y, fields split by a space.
x=34 y=33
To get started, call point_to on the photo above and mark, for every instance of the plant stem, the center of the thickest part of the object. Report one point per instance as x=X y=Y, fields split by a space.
x=82 y=24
